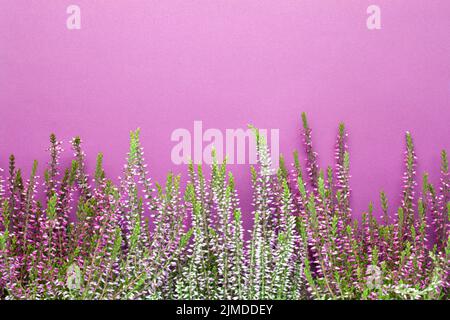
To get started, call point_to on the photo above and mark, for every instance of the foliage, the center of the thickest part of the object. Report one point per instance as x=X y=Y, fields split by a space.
x=140 y=240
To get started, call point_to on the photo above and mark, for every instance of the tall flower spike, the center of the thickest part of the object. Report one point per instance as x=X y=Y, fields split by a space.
x=263 y=199
x=142 y=172
x=444 y=197
x=82 y=177
x=409 y=184
x=311 y=156
x=52 y=172
x=343 y=173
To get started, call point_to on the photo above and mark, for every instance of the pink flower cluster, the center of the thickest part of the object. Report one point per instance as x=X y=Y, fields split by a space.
x=89 y=238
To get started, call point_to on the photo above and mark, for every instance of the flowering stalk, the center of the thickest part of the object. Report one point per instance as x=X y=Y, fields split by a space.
x=92 y=239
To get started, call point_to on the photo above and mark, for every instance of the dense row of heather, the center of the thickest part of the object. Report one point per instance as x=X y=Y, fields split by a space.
x=304 y=243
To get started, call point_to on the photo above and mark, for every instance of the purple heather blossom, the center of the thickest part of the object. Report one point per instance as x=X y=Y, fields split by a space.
x=134 y=241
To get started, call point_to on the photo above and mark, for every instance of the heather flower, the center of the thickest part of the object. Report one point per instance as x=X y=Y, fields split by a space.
x=408 y=187
x=311 y=160
x=82 y=178
x=132 y=241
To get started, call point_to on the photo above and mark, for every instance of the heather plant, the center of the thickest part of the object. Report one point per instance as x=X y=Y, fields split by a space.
x=371 y=259
x=88 y=237
x=106 y=252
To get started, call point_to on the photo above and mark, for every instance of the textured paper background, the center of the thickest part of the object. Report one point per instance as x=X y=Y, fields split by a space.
x=160 y=65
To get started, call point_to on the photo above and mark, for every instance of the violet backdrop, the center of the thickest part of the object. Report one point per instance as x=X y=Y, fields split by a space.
x=160 y=65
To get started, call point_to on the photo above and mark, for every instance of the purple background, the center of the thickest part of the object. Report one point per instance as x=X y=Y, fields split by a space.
x=160 y=65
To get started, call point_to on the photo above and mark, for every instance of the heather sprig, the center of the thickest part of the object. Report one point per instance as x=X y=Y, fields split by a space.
x=90 y=238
